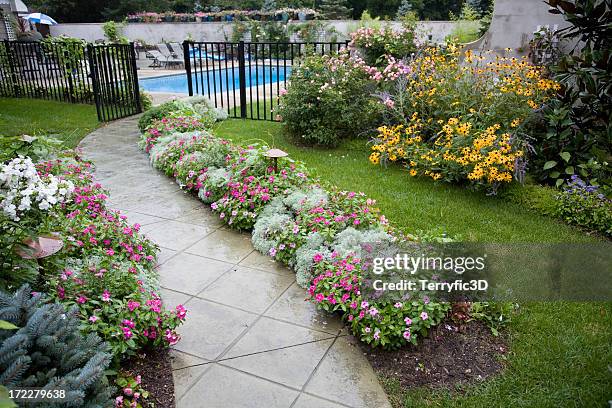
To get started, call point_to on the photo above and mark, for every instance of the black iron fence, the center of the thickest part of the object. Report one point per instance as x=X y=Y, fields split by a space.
x=245 y=78
x=72 y=72
x=115 y=80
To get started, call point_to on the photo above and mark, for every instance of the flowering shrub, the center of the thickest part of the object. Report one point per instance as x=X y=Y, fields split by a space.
x=461 y=122
x=169 y=125
x=328 y=100
x=132 y=392
x=105 y=268
x=247 y=195
x=337 y=288
x=582 y=204
x=317 y=232
x=22 y=189
x=376 y=44
x=117 y=307
x=156 y=112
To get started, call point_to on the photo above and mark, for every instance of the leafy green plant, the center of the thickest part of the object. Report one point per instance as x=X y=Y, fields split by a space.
x=38 y=148
x=578 y=123
x=113 y=32
x=132 y=392
x=582 y=204
x=146 y=101
x=324 y=105
x=156 y=112
x=494 y=314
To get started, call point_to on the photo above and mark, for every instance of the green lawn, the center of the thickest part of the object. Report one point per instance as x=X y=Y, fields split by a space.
x=412 y=204
x=65 y=121
x=560 y=352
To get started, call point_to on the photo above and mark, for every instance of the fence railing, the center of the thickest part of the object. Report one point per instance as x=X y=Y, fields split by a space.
x=245 y=78
x=45 y=70
x=72 y=72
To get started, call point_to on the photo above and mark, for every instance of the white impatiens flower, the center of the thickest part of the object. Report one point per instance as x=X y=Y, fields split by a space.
x=22 y=189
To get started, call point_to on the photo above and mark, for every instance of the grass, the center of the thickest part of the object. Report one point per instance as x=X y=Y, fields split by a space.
x=559 y=352
x=65 y=121
x=413 y=204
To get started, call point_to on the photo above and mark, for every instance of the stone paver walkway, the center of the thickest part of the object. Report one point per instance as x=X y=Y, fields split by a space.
x=250 y=339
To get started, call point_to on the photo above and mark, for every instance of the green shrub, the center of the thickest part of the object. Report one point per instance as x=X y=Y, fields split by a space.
x=156 y=112
x=48 y=350
x=146 y=102
x=328 y=100
x=38 y=148
x=541 y=199
x=582 y=204
x=376 y=45
x=574 y=134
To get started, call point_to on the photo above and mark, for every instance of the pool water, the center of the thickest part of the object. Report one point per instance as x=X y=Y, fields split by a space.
x=220 y=80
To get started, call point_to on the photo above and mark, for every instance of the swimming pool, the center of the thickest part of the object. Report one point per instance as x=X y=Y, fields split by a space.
x=220 y=80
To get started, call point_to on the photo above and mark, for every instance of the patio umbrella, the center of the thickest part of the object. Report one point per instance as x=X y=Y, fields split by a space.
x=40 y=18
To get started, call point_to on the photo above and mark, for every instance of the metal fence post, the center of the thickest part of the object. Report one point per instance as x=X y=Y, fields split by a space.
x=12 y=69
x=242 y=78
x=188 y=66
x=135 y=78
x=94 y=81
x=68 y=69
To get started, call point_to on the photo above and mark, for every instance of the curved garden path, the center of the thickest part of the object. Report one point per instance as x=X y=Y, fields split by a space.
x=250 y=339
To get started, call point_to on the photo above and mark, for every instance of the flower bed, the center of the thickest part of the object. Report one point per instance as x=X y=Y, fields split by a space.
x=316 y=231
x=105 y=270
x=284 y=14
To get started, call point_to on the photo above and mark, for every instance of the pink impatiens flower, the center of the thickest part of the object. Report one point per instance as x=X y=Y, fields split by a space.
x=424 y=315
x=407 y=334
x=132 y=305
x=317 y=258
x=127 y=333
x=81 y=299
x=181 y=312
x=171 y=337
x=94 y=319
x=106 y=296
x=128 y=323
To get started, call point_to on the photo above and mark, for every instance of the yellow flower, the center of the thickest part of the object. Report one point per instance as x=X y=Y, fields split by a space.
x=375 y=158
x=413 y=172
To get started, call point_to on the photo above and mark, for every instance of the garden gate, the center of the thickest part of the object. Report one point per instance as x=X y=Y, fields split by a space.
x=115 y=80
x=72 y=71
x=245 y=78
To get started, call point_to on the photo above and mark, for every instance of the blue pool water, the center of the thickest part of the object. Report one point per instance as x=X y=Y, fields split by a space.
x=220 y=80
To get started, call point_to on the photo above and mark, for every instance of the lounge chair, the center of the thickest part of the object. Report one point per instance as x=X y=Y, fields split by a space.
x=170 y=57
x=158 y=59
x=177 y=49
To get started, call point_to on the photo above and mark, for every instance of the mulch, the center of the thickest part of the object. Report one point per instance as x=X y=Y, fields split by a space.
x=450 y=355
x=156 y=374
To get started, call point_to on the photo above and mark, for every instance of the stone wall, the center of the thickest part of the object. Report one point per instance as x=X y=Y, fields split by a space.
x=217 y=31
